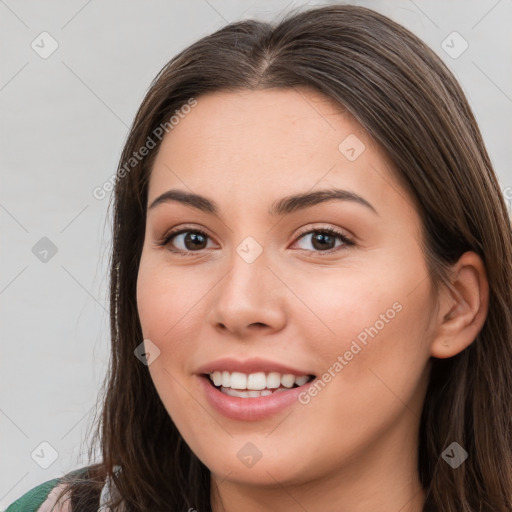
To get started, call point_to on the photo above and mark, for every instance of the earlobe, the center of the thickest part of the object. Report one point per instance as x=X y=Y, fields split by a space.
x=463 y=307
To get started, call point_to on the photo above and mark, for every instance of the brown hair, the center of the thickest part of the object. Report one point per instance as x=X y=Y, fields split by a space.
x=413 y=107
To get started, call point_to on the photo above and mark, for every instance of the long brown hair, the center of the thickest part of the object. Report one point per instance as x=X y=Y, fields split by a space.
x=413 y=107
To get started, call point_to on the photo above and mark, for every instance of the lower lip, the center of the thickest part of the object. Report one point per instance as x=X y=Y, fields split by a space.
x=249 y=409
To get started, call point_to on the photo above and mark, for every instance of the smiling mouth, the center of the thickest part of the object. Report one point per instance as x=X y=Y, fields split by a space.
x=268 y=390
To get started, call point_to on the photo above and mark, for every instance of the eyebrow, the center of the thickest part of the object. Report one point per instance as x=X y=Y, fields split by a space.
x=284 y=206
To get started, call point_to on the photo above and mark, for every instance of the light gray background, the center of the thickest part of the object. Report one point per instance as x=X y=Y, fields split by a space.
x=63 y=123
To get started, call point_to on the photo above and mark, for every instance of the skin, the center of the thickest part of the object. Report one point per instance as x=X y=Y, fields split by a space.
x=353 y=447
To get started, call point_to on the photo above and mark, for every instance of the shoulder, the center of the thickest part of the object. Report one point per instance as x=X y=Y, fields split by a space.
x=35 y=498
x=45 y=497
x=51 y=504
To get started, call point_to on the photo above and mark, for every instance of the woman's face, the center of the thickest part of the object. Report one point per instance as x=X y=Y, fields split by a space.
x=265 y=290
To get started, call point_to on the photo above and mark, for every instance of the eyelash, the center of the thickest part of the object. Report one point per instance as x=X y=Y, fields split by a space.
x=166 y=240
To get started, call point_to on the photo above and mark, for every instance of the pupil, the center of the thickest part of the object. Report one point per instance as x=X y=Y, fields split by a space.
x=322 y=238
x=195 y=237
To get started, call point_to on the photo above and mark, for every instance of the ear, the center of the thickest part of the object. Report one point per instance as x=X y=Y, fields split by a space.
x=462 y=308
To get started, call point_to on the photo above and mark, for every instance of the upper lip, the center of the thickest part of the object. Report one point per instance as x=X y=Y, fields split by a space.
x=252 y=365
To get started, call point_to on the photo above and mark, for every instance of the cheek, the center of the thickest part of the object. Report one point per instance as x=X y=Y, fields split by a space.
x=373 y=362
x=375 y=317
x=165 y=300
x=165 y=307
x=170 y=305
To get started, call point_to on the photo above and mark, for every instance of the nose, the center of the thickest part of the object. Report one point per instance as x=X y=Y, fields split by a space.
x=249 y=299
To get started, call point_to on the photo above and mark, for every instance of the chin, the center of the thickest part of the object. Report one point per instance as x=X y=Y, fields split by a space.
x=267 y=471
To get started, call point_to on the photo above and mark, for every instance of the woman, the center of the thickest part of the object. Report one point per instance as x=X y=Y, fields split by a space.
x=341 y=339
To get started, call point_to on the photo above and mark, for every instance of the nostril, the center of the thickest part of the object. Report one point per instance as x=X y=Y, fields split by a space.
x=257 y=324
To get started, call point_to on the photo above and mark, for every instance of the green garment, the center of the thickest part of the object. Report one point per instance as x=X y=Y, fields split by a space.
x=34 y=498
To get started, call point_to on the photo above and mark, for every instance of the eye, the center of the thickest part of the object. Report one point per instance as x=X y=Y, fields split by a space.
x=324 y=240
x=194 y=240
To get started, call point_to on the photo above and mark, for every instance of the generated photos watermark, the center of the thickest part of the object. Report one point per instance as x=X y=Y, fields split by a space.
x=102 y=191
x=355 y=348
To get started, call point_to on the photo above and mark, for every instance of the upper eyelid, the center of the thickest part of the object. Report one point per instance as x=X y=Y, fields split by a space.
x=300 y=231
x=309 y=229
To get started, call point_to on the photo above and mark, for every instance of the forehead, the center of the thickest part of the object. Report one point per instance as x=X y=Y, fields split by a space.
x=269 y=124
x=248 y=145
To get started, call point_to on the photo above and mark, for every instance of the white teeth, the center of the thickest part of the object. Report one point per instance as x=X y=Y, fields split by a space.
x=217 y=378
x=300 y=381
x=239 y=381
x=288 y=380
x=243 y=394
x=273 y=380
x=257 y=381
x=248 y=394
